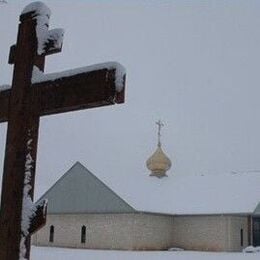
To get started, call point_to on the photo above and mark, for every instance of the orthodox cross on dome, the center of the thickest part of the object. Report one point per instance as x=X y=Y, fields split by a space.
x=34 y=94
x=160 y=125
x=158 y=163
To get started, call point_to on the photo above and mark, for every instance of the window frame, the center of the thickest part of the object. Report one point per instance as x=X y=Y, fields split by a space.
x=83 y=234
x=51 y=234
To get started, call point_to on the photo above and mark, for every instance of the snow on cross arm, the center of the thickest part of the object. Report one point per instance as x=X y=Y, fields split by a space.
x=38 y=76
x=4 y=87
x=55 y=36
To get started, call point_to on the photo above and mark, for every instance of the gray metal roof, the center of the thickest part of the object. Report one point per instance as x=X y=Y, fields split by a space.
x=79 y=191
x=257 y=210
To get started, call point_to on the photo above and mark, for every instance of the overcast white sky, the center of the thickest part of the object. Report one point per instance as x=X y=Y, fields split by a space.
x=193 y=64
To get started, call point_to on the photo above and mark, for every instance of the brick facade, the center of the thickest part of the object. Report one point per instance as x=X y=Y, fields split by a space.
x=109 y=231
x=145 y=231
x=210 y=232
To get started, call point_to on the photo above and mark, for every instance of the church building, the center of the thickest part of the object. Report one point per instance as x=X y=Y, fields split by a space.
x=200 y=212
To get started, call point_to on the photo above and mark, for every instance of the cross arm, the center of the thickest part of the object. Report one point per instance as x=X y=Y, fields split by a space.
x=49 y=48
x=79 y=91
x=63 y=92
x=4 y=103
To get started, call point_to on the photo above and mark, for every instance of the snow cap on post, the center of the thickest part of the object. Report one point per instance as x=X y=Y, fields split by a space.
x=41 y=13
x=48 y=41
x=37 y=9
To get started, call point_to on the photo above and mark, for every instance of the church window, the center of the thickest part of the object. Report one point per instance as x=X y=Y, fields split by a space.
x=241 y=237
x=51 y=237
x=83 y=234
x=256 y=231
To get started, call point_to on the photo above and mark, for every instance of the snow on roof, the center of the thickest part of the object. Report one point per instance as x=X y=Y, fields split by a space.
x=194 y=194
x=191 y=194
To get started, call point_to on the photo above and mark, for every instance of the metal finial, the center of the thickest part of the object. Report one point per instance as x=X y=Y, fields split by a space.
x=160 y=125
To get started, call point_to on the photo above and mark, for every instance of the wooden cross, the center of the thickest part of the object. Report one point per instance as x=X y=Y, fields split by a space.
x=34 y=94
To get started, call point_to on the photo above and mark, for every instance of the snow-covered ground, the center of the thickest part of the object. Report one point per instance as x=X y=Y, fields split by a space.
x=43 y=253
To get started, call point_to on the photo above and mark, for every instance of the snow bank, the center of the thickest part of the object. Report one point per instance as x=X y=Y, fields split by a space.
x=252 y=249
x=41 y=253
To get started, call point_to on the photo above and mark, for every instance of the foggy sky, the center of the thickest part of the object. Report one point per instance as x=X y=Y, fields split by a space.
x=192 y=64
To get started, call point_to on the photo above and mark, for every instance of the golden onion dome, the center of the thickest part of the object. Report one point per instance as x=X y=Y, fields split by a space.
x=158 y=163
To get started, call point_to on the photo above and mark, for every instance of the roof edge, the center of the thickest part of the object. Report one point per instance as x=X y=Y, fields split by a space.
x=85 y=168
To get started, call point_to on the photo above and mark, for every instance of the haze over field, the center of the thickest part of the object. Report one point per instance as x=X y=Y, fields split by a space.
x=193 y=64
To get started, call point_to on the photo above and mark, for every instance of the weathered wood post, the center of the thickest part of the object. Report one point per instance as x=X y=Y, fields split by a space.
x=32 y=95
x=21 y=146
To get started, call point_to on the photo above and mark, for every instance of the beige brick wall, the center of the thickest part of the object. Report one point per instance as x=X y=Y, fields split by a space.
x=146 y=232
x=109 y=231
x=200 y=232
x=210 y=233
x=236 y=224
